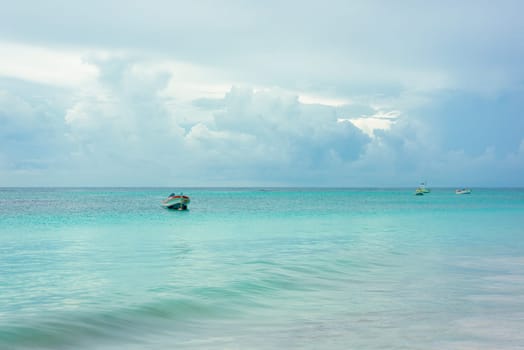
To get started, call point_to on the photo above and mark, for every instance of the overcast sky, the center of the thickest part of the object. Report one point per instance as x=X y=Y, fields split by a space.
x=261 y=93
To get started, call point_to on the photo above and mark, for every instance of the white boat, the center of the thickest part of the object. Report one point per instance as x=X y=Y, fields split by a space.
x=463 y=191
x=176 y=202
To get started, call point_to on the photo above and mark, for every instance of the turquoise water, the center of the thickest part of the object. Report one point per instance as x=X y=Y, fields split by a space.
x=261 y=269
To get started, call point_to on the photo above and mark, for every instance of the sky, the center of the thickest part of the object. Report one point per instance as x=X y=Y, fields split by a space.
x=262 y=93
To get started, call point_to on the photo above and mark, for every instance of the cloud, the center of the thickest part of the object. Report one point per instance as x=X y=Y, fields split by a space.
x=29 y=133
x=334 y=47
x=129 y=127
x=43 y=65
x=124 y=129
x=379 y=121
x=472 y=123
x=332 y=93
x=452 y=138
x=273 y=136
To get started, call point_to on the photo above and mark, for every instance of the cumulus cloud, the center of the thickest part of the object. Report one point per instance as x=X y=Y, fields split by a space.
x=272 y=136
x=125 y=129
x=241 y=94
x=130 y=127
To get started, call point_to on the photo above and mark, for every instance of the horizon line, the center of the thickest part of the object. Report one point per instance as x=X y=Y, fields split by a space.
x=259 y=187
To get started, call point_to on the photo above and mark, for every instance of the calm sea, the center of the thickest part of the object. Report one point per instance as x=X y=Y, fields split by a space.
x=109 y=268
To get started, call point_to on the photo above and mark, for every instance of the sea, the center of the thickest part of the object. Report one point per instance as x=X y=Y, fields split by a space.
x=261 y=268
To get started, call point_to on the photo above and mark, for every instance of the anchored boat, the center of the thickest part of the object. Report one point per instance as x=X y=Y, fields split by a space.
x=463 y=191
x=422 y=189
x=419 y=192
x=176 y=202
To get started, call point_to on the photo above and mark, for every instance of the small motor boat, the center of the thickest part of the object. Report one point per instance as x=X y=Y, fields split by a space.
x=176 y=202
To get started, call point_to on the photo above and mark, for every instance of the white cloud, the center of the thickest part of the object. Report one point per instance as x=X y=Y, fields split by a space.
x=129 y=128
x=370 y=124
x=45 y=65
x=322 y=100
x=265 y=135
x=189 y=82
x=251 y=93
x=379 y=121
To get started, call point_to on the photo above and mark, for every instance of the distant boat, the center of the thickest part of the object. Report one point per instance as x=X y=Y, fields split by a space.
x=463 y=191
x=419 y=192
x=176 y=202
x=421 y=189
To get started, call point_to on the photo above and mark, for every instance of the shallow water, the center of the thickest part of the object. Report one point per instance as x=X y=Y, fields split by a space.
x=261 y=269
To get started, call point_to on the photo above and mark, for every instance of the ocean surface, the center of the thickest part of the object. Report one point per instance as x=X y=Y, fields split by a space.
x=109 y=268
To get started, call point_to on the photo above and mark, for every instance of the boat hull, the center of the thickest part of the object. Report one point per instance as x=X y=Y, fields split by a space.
x=463 y=192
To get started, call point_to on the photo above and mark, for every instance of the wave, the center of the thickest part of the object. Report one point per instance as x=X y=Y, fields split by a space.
x=194 y=307
x=67 y=329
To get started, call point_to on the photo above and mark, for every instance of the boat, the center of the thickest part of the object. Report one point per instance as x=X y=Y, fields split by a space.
x=176 y=202
x=463 y=191
x=422 y=188
x=419 y=192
